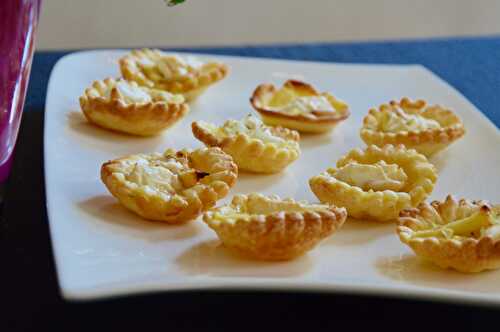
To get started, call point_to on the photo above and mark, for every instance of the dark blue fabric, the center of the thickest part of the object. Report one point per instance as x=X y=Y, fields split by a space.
x=471 y=65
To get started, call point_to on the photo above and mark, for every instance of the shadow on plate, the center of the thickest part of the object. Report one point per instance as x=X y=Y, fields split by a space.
x=253 y=182
x=212 y=258
x=308 y=141
x=100 y=138
x=408 y=268
x=77 y=122
x=109 y=214
x=440 y=160
x=356 y=232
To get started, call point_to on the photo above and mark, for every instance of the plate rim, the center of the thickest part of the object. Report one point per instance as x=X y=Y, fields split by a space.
x=238 y=284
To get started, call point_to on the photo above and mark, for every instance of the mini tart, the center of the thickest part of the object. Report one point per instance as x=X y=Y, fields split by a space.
x=176 y=74
x=173 y=187
x=124 y=106
x=427 y=129
x=463 y=235
x=254 y=146
x=376 y=183
x=297 y=105
x=268 y=228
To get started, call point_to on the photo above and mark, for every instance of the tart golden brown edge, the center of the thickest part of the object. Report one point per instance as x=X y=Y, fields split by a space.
x=270 y=228
x=172 y=187
x=427 y=129
x=376 y=183
x=174 y=73
x=297 y=105
x=459 y=234
x=124 y=106
x=254 y=146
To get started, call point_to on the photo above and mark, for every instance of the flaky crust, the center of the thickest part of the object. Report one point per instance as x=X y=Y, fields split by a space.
x=214 y=174
x=427 y=141
x=252 y=154
x=378 y=205
x=464 y=254
x=190 y=86
x=271 y=228
x=114 y=113
x=314 y=122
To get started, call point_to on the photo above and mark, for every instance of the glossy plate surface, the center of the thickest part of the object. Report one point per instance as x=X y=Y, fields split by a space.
x=103 y=250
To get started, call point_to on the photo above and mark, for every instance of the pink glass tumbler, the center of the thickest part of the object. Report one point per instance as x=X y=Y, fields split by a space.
x=18 y=23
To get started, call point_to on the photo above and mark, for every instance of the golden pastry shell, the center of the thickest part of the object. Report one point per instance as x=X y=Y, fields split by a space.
x=218 y=168
x=190 y=86
x=467 y=255
x=252 y=154
x=277 y=235
x=378 y=205
x=316 y=122
x=427 y=141
x=142 y=119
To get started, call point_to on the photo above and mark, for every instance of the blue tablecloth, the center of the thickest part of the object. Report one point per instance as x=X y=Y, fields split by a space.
x=472 y=65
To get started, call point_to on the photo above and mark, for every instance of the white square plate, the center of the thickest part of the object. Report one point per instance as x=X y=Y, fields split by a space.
x=103 y=250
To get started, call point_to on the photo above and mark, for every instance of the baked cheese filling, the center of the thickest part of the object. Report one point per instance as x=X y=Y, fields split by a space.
x=250 y=125
x=399 y=120
x=131 y=93
x=378 y=177
x=485 y=222
x=170 y=67
x=174 y=67
x=233 y=213
x=158 y=176
x=308 y=104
